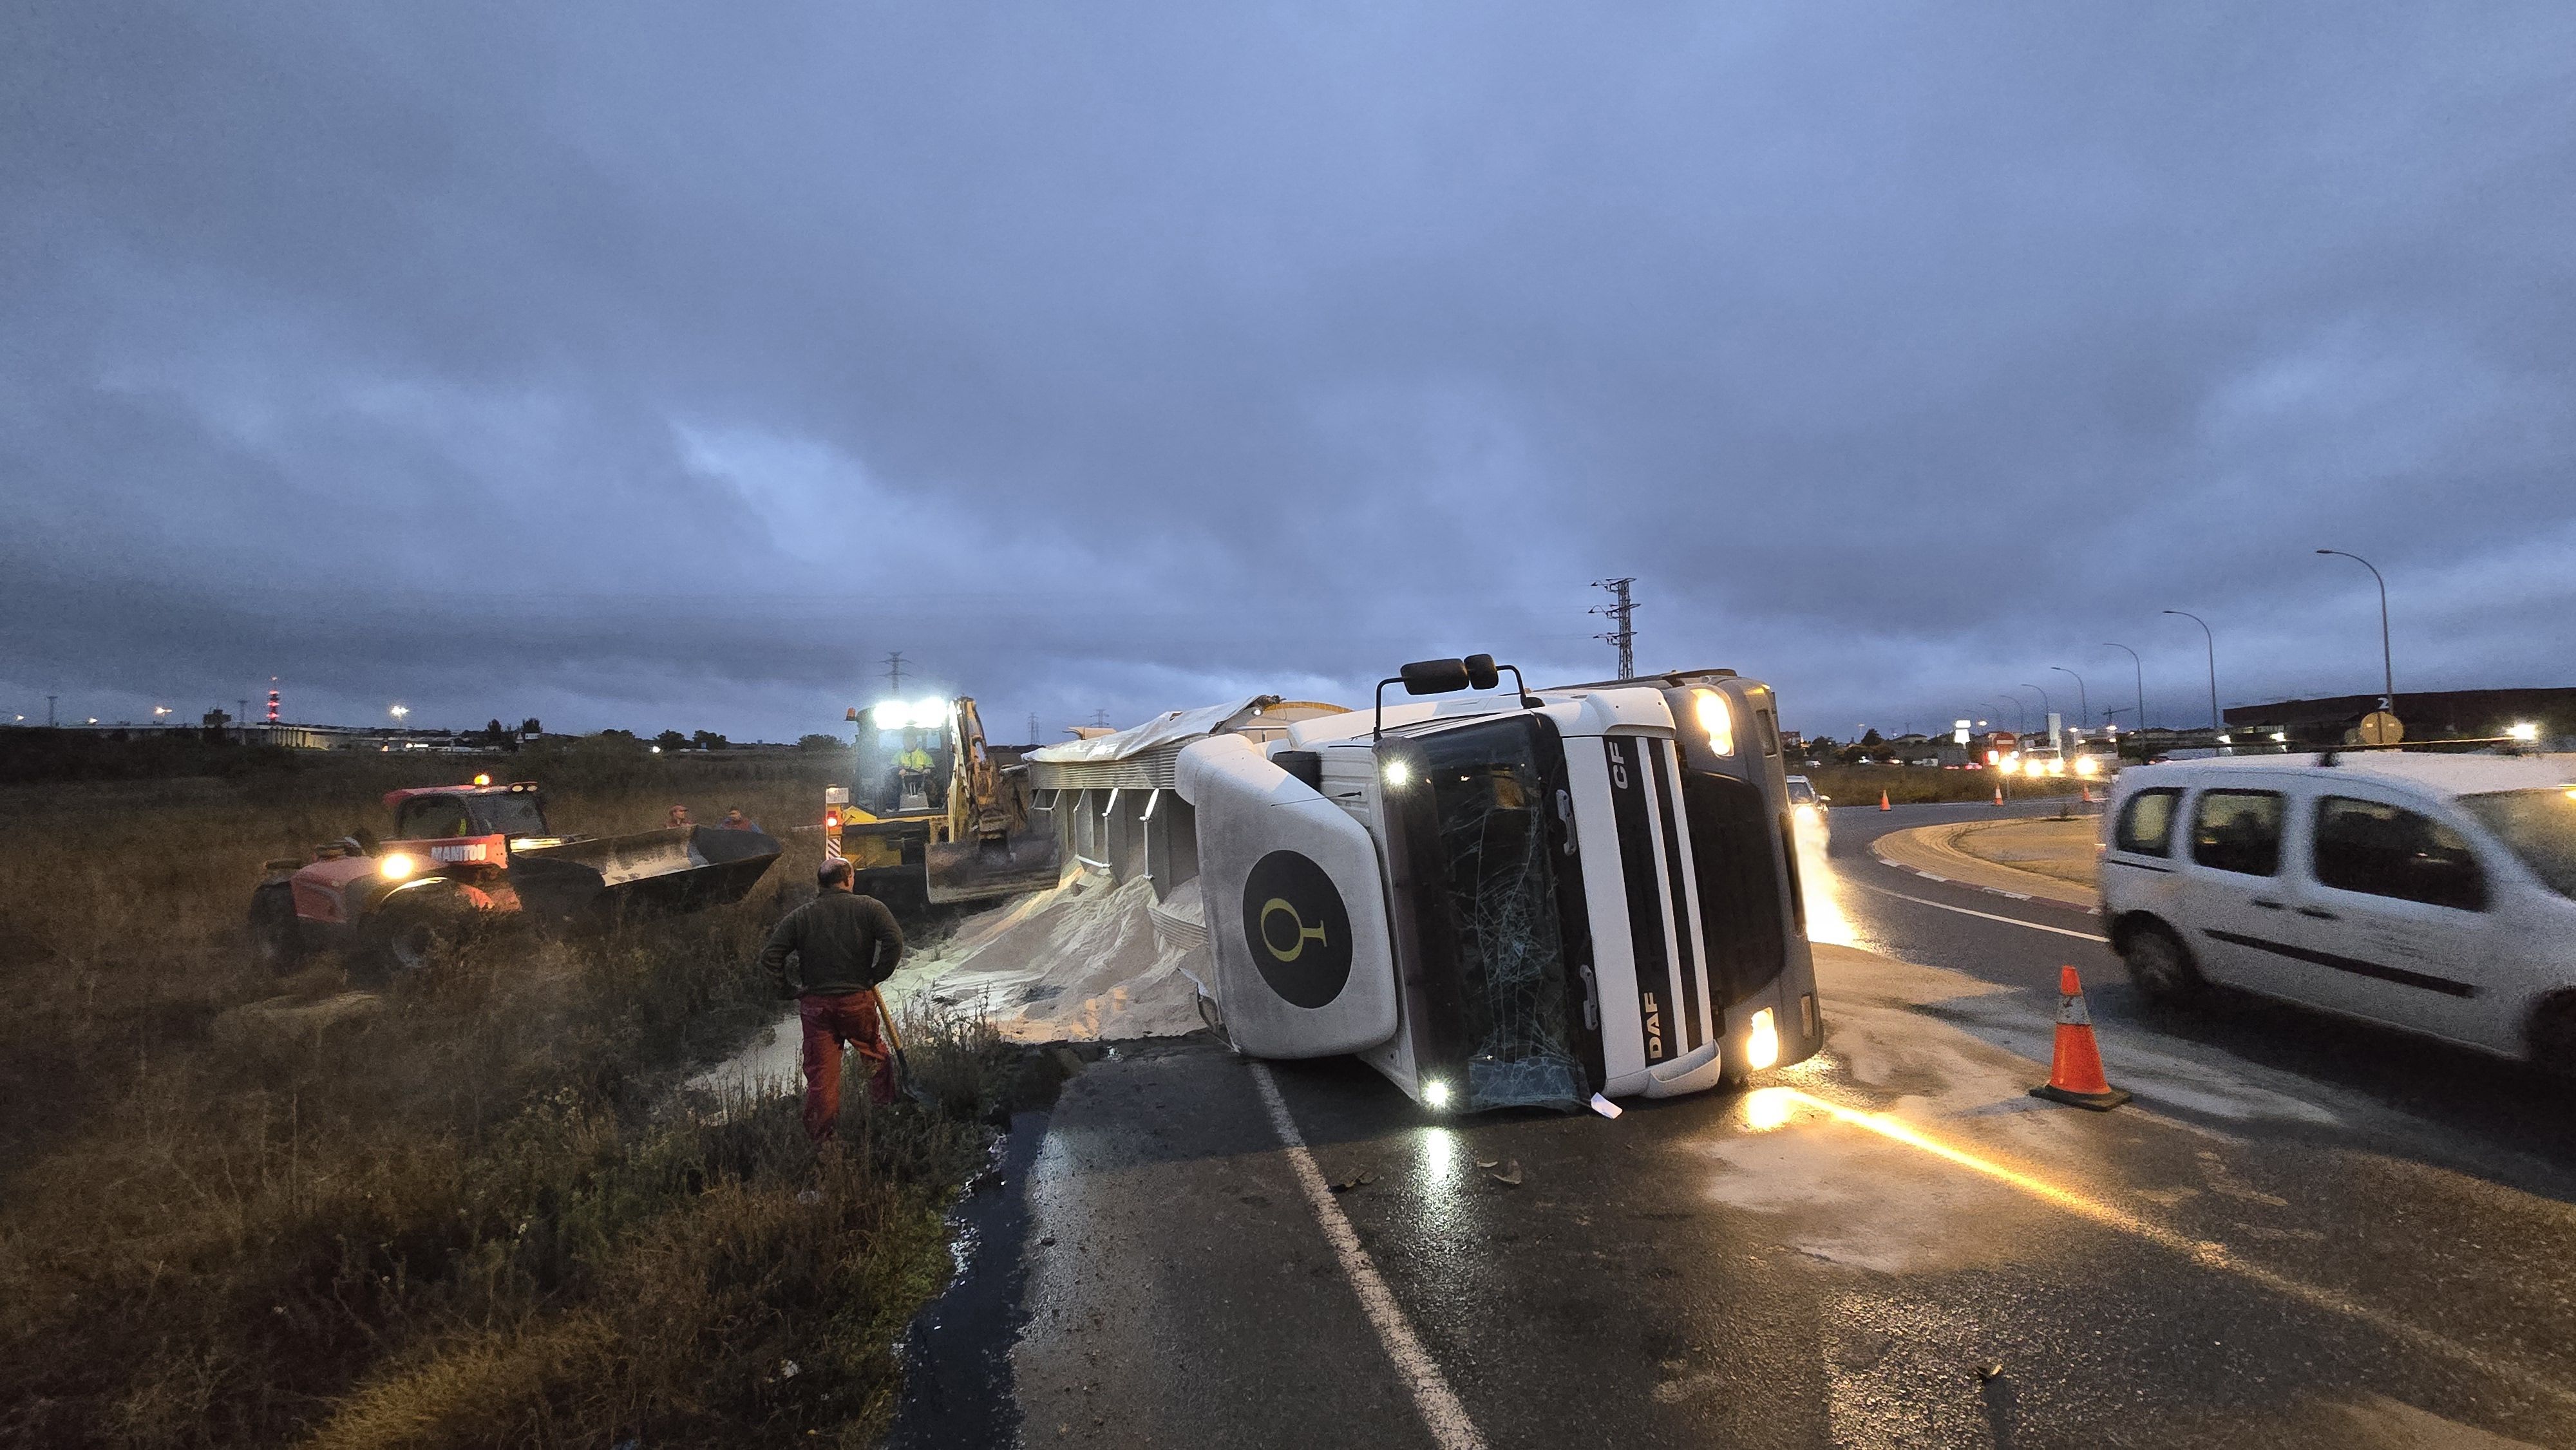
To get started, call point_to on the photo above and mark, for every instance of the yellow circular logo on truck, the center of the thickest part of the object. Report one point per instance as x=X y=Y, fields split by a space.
x=1297 y=929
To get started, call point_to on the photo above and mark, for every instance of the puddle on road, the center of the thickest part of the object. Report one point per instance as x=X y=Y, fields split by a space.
x=957 y=1384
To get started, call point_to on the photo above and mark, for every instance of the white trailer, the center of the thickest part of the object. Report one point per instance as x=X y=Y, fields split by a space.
x=1514 y=898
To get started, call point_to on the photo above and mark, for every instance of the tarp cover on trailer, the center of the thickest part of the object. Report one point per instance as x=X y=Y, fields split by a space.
x=1169 y=728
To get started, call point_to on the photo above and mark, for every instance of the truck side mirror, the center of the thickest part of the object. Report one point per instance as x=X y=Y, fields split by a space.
x=1481 y=673
x=1434 y=677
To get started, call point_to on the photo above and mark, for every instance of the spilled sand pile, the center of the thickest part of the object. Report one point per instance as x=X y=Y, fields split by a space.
x=1084 y=961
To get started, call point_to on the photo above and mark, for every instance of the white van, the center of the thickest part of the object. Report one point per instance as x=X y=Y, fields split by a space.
x=2431 y=892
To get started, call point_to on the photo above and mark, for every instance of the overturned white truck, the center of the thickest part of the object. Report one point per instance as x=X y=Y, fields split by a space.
x=1504 y=899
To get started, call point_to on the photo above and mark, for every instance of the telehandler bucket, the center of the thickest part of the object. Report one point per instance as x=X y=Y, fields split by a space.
x=975 y=870
x=650 y=873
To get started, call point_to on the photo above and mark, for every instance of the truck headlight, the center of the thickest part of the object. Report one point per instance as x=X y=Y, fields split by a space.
x=1761 y=1041
x=2087 y=765
x=397 y=866
x=1715 y=719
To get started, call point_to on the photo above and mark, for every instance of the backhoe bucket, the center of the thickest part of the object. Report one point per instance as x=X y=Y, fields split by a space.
x=975 y=870
x=650 y=873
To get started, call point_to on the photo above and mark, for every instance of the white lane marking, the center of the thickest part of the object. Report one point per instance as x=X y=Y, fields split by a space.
x=2015 y=895
x=1441 y=1411
x=1988 y=915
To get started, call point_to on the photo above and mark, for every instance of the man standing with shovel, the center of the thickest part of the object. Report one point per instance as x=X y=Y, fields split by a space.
x=843 y=944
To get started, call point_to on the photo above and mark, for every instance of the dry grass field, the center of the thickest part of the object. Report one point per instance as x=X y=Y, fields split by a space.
x=1908 y=785
x=480 y=1214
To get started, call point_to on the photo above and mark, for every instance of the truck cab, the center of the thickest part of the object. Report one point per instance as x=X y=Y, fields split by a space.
x=1525 y=899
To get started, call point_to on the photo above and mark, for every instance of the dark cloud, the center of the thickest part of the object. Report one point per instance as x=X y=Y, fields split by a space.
x=651 y=365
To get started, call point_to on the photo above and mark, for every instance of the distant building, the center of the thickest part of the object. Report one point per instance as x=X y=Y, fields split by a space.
x=2427 y=715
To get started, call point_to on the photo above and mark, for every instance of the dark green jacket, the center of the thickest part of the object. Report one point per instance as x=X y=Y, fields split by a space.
x=842 y=943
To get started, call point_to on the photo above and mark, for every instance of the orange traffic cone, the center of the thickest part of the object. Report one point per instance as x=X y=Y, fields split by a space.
x=2075 y=1077
x=1999 y=795
x=1882 y=802
x=2087 y=792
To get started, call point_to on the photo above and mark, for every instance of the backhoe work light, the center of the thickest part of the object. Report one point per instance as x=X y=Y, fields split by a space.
x=482 y=780
x=891 y=715
x=1715 y=719
x=1436 y=1094
x=397 y=866
x=1761 y=1041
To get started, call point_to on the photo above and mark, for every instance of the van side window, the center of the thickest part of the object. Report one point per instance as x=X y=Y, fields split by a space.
x=2146 y=824
x=2388 y=850
x=2239 y=831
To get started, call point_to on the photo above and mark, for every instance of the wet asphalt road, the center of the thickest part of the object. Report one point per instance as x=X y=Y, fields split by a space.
x=2483 y=1115
x=2320 y=1235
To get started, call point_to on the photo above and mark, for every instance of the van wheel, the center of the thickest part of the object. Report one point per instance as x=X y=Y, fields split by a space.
x=2160 y=966
x=2552 y=1037
x=275 y=938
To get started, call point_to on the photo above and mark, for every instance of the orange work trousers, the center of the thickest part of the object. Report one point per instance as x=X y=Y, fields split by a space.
x=830 y=1022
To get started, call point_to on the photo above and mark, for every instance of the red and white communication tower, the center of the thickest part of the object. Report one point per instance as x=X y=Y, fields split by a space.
x=272 y=699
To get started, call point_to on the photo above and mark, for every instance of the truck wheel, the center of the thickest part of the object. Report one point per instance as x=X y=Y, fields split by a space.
x=404 y=937
x=2160 y=966
x=276 y=940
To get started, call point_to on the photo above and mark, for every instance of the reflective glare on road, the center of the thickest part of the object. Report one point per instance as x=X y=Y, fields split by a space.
x=1823 y=889
x=1440 y=1157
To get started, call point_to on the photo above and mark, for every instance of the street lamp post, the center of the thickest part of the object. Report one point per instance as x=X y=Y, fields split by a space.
x=2141 y=666
x=2045 y=708
x=2213 y=670
x=2083 y=706
x=2021 y=711
x=2387 y=661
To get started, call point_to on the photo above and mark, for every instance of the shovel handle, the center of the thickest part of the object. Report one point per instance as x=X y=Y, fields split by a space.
x=885 y=1019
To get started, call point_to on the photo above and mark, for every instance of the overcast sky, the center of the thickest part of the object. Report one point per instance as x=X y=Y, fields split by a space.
x=646 y=365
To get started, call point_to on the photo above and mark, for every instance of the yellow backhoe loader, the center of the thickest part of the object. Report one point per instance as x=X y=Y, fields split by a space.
x=935 y=813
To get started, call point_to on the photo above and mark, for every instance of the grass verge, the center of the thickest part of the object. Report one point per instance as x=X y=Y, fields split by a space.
x=1911 y=785
x=471 y=1212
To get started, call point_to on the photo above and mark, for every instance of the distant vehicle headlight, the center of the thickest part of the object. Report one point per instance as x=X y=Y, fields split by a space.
x=1803 y=811
x=1716 y=719
x=2033 y=768
x=2087 y=765
x=397 y=866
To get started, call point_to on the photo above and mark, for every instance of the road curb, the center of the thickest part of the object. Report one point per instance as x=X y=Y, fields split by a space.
x=1926 y=851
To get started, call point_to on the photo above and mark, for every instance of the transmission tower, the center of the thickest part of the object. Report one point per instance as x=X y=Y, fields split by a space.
x=1100 y=719
x=1033 y=726
x=1624 y=637
x=894 y=673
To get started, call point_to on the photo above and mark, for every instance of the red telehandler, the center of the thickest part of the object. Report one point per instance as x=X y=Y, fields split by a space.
x=461 y=851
